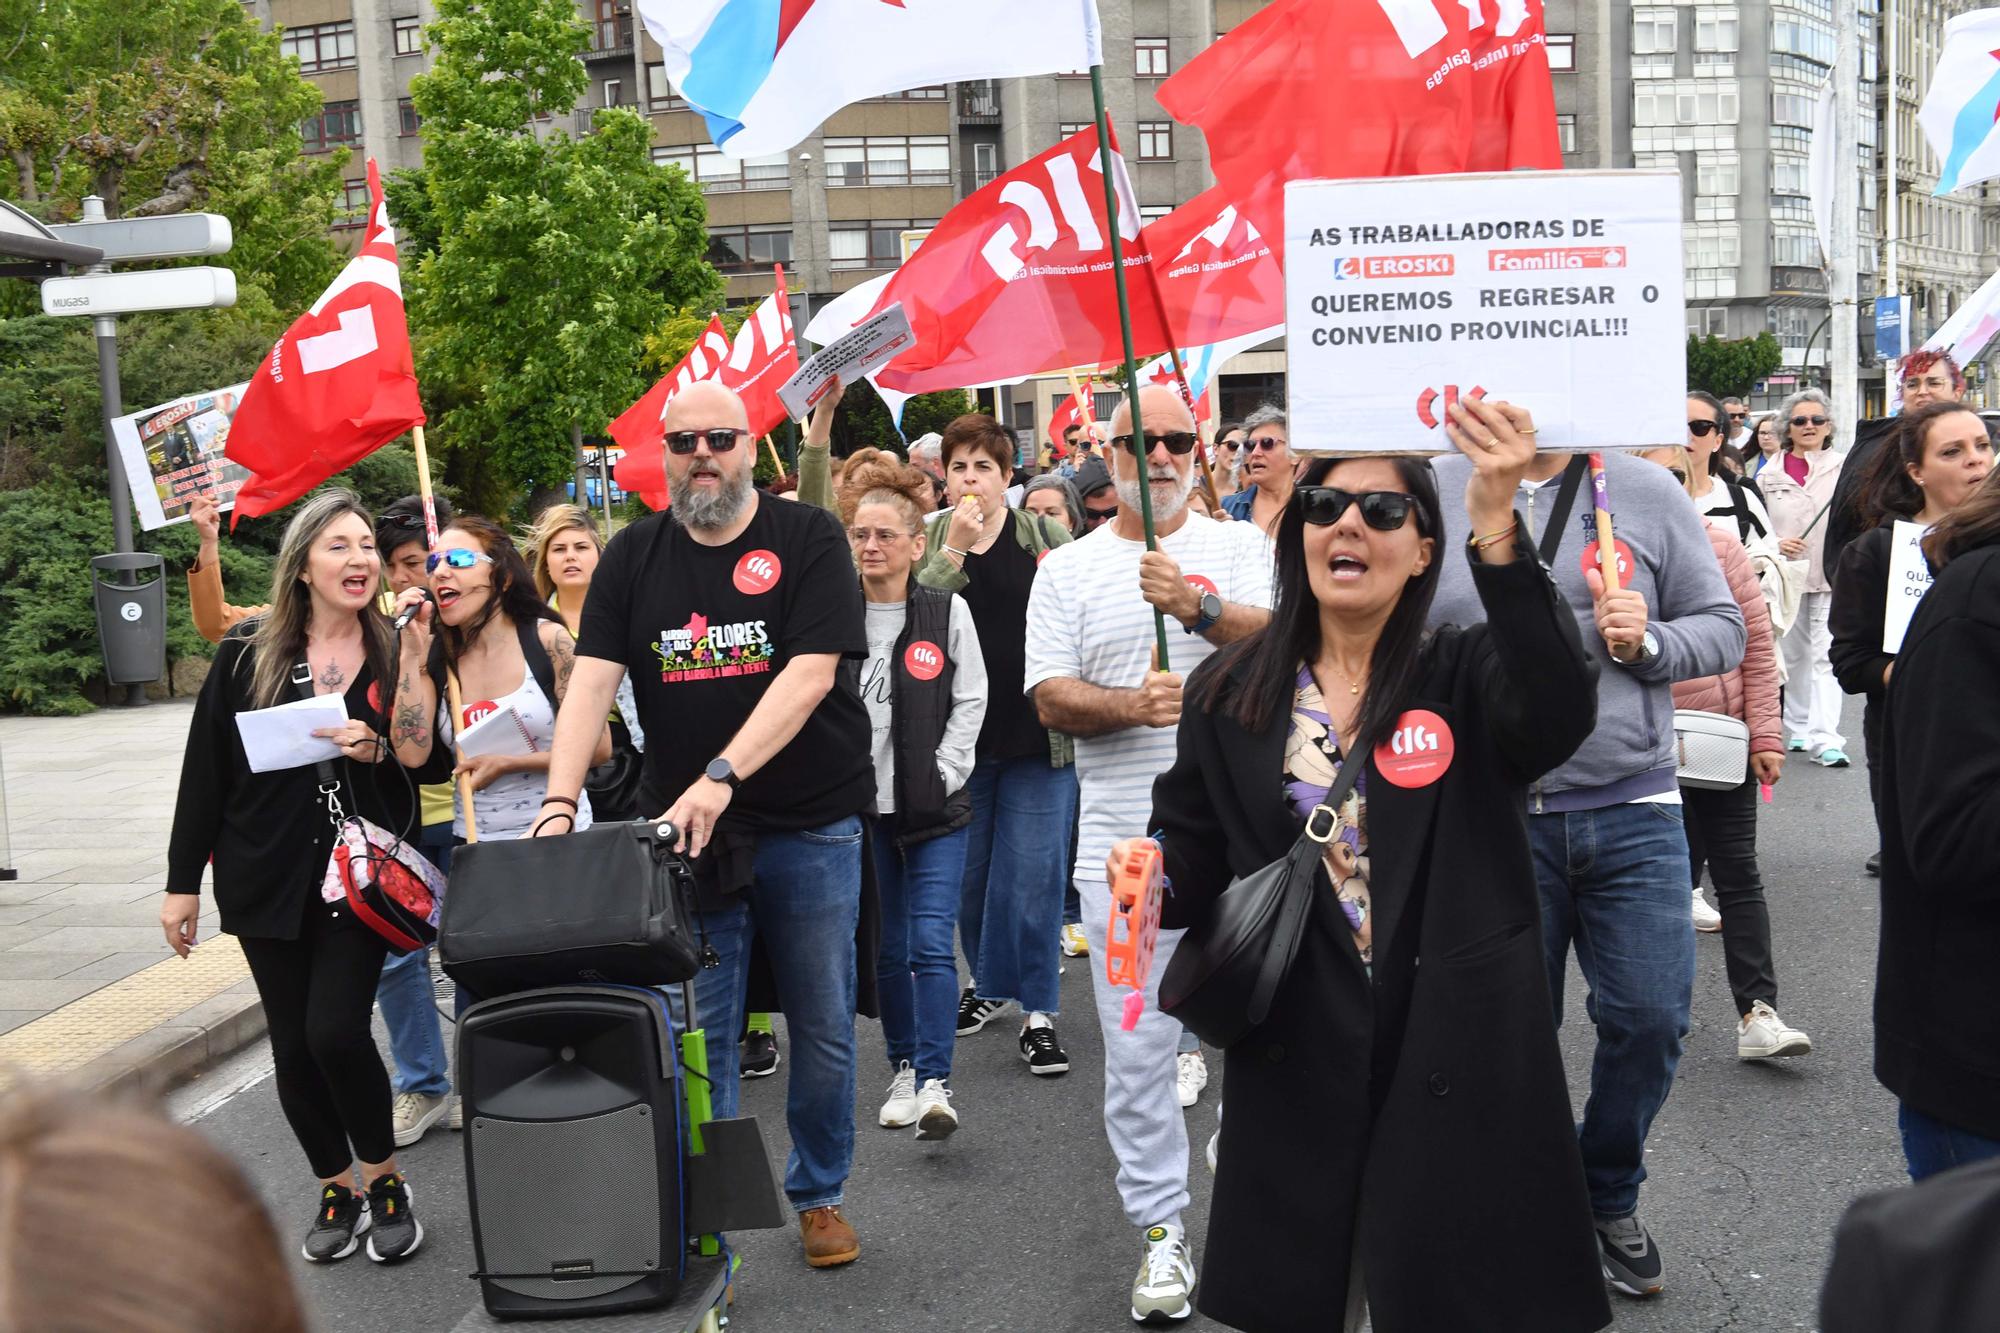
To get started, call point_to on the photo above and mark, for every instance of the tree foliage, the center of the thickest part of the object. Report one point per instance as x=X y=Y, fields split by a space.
x=1731 y=369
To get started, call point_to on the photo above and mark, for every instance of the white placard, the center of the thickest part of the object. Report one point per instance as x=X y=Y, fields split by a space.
x=863 y=350
x=1559 y=291
x=173 y=452
x=1909 y=580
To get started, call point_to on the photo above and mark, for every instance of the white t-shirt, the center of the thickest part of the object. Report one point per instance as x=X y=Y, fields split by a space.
x=1720 y=504
x=1088 y=622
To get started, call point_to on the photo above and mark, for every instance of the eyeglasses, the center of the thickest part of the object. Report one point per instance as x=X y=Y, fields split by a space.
x=882 y=536
x=1092 y=517
x=410 y=522
x=1231 y=445
x=1177 y=441
x=1384 y=511
x=721 y=439
x=1262 y=442
x=1739 y=416
x=457 y=557
x=1701 y=429
x=1808 y=421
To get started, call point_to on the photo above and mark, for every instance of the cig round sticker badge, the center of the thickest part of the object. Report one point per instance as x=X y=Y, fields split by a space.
x=757 y=572
x=479 y=711
x=1625 y=562
x=1418 y=750
x=923 y=660
x=1202 y=583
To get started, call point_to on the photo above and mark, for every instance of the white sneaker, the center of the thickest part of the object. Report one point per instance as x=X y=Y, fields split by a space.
x=1191 y=1077
x=456 y=1120
x=900 y=1111
x=1762 y=1035
x=415 y=1112
x=935 y=1117
x=1165 y=1285
x=1706 y=918
x=1214 y=1140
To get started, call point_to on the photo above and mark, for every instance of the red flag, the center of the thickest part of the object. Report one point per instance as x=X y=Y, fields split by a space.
x=338 y=386
x=1217 y=278
x=1073 y=412
x=1310 y=90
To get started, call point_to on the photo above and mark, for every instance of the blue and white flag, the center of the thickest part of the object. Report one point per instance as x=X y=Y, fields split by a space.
x=1961 y=113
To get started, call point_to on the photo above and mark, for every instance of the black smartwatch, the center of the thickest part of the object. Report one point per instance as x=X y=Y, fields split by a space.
x=1211 y=613
x=719 y=770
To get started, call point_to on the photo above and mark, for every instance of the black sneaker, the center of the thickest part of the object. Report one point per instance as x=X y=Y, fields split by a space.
x=1042 y=1051
x=975 y=1013
x=760 y=1055
x=397 y=1232
x=338 y=1226
x=1632 y=1263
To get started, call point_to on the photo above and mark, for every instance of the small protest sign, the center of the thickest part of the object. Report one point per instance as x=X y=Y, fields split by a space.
x=863 y=350
x=173 y=452
x=1909 y=580
x=1559 y=291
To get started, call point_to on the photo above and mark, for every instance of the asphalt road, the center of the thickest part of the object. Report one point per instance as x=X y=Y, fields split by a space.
x=1013 y=1224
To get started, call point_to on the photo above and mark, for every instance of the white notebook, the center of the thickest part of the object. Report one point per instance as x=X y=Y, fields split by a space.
x=499 y=732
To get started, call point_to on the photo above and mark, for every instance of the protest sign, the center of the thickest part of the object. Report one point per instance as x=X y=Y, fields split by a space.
x=1559 y=291
x=1909 y=580
x=863 y=350
x=173 y=453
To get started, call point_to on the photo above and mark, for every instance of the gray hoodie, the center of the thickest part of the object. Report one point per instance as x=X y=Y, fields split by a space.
x=1689 y=611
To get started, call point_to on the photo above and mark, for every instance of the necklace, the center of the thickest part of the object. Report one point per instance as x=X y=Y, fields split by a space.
x=1352 y=686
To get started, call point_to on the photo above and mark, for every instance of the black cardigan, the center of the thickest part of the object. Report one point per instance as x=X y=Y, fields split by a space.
x=1860 y=605
x=1367 y=1107
x=267 y=832
x=1937 y=990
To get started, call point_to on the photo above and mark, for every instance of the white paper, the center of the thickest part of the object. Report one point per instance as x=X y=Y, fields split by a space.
x=499 y=732
x=1909 y=580
x=863 y=350
x=173 y=452
x=1558 y=291
x=282 y=737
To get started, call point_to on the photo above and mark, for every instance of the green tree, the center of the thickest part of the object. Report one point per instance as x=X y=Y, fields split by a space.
x=550 y=258
x=864 y=421
x=1731 y=369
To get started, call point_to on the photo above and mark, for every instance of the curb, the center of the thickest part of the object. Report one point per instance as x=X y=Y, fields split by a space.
x=183 y=1048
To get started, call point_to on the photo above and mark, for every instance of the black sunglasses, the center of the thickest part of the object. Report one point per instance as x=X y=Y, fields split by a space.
x=409 y=521
x=1092 y=517
x=721 y=439
x=1177 y=441
x=1701 y=429
x=1384 y=511
x=1808 y=421
x=1739 y=416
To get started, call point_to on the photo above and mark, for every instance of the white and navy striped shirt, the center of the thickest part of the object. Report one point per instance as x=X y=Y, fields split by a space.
x=1087 y=621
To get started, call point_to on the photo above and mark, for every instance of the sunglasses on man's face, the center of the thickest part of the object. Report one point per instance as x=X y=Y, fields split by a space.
x=1177 y=441
x=1701 y=429
x=1092 y=517
x=1739 y=416
x=721 y=439
x=457 y=557
x=1808 y=421
x=1384 y=511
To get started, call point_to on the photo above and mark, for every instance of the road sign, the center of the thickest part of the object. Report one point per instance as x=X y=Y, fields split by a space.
x=175 y=236
x=129 y=293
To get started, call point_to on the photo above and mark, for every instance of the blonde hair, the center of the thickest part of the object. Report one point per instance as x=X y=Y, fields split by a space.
x=114 y=1217
x=875 y=476
x=548 y=525
x=278 y=637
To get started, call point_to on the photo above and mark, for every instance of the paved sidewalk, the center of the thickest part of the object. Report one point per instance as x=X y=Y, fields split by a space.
x=88 y=988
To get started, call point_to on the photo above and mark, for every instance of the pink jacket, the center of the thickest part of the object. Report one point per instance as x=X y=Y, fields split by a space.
x=1750 y=692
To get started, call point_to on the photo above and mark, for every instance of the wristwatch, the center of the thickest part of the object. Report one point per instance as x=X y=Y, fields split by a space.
x=1649 y=648
x=1211 y=612
x=719 y=770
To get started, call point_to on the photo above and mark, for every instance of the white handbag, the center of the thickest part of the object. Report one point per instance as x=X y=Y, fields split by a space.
x=1711 y=750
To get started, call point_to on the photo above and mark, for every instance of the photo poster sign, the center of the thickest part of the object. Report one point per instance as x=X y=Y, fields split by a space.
x=173 y=453
x=1558 y=291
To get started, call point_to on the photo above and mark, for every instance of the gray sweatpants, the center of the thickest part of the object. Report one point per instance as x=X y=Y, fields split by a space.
x=1142 y=1114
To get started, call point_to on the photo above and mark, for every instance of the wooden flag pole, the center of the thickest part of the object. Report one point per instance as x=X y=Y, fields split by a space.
x=452 y=699
x=1200 y=439
x=1607 y=545
x=776 y=461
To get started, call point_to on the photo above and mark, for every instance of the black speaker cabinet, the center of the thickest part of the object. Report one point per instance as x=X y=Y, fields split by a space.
x=573 y=1151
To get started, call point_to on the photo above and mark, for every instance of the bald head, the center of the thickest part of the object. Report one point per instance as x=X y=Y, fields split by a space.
x=1161 y=407
x=709 y=486
x=703 y=405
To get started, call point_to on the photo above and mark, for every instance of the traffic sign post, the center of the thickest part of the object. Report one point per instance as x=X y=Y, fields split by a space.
x=135 y=293
x=174 y=236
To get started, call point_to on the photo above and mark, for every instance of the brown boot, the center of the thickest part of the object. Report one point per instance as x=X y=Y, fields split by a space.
x=828 y=1239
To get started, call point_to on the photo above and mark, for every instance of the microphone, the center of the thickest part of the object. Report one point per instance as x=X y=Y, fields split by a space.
x=409 y=612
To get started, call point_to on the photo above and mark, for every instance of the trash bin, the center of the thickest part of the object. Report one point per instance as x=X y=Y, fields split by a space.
x=131 y=618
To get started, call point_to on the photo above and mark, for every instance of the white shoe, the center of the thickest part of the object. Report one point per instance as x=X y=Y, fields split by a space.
x=1706 y=918
x=1165 y=1285
x=935 y=1117
x=900 y=1111
x=1213 y=1140
x=1762 y=1035
x=1191 y=1077
x=456 y=1120
x=415 y=1112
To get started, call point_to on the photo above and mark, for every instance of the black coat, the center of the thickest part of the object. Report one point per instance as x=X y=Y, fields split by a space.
x=1918 y=1260
x=1937 y=989
x=1423 y=1115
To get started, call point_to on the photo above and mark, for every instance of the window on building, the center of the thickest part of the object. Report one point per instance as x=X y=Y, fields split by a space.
x=1153 y=212
x=321 y=47
x=353 y=210
x=409 y=32
x=1792 y=109
x=872 y=244
x=717 y=174
x=1156 y=140
x=1795 y=249
x=930 y=92
x=614 y=92
x=609 y=27
x=1566 y=131
x=1069 y=127
x=409 y=122
x=660 y=92
x=748 y=249
x=1716 y=30
x=985 y=164
x=337 y=124
x=1803 y=37
x=1716 y=174
x=1711 y=245
x=889 y=160
x=1561 y=47
x=1150 y=57
x=1653 y=31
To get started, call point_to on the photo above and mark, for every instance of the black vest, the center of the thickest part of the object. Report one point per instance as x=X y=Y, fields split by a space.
x=918 y=710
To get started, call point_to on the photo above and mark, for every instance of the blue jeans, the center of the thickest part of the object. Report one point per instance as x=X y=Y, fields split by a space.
x=804 y=903
x=1615 y=883
x=409 y=1004
x=1016 y=866
x=1930 y=1145
x=916 y=970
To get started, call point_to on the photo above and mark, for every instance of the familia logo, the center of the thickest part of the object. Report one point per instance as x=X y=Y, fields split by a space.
x=1353 y=268
x=701 y=651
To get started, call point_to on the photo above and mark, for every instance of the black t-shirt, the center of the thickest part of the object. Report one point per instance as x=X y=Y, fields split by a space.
x=996 y=592
x=703 y=630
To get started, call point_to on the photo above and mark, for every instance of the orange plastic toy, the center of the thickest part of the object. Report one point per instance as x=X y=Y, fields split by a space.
x=1135 y=925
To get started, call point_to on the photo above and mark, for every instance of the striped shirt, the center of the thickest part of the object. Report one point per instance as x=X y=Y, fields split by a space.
x=1087 y=621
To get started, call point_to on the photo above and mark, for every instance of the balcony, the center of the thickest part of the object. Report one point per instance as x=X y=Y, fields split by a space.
x=978 y=103
x=971 y=179
x=610 y=38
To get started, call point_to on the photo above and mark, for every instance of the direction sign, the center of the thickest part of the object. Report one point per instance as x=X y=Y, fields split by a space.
x=175 y=236
x=129 y=293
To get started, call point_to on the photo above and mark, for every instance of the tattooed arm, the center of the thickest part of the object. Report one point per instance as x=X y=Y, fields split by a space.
x=562 y=652
x=416 y=701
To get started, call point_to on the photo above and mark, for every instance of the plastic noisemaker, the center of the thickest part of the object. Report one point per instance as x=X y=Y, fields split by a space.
x=1136 y=882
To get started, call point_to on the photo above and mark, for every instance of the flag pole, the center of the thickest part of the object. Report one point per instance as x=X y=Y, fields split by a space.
x=1140 y=455
x=450 y=677
x=1200 y=440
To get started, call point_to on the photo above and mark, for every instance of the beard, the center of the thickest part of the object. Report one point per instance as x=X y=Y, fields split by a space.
x=1170 y=493
x=706 y=511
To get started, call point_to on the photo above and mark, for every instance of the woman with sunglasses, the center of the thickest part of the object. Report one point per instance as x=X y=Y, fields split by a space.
x=1425 y=1083
x=1264 y=471
x=1800 y=491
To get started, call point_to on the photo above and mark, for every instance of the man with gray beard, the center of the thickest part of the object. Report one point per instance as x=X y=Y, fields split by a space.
x=732 y=616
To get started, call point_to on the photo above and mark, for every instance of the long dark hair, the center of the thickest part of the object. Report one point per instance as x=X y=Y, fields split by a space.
x=1886 y=491
x=1268 y=661
x=513 y=592
x=1974 y=524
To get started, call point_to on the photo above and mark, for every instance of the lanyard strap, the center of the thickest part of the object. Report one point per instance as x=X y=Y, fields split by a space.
x=1565 y=500
x=329 y=776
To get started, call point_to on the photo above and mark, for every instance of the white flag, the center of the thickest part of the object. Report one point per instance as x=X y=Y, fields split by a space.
x=1959 y=112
